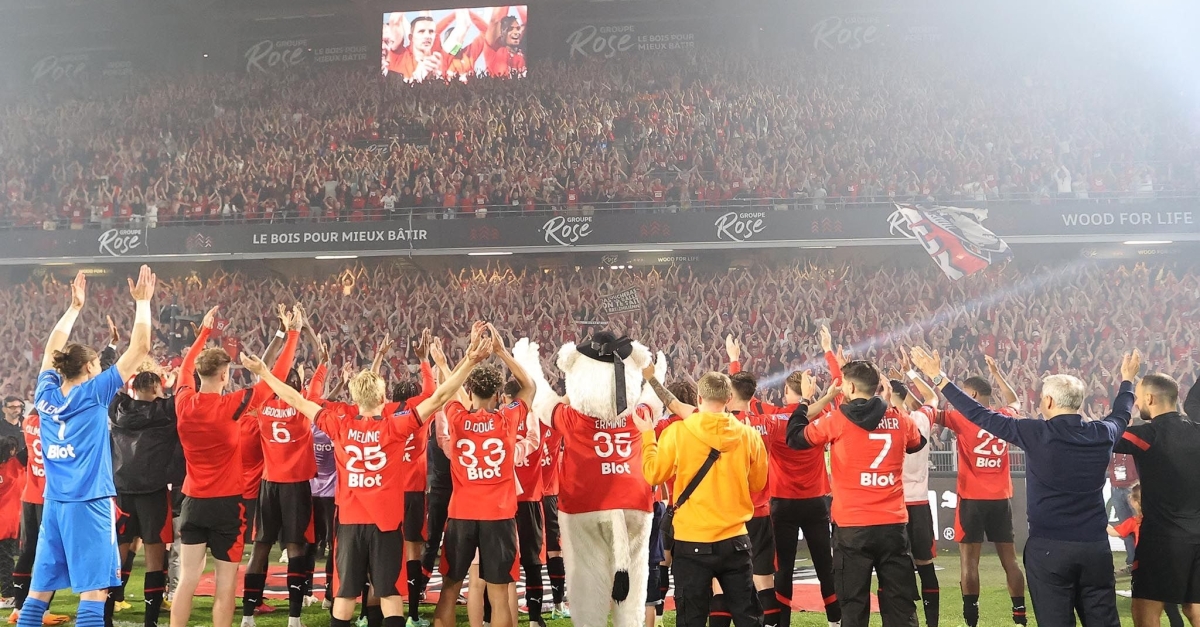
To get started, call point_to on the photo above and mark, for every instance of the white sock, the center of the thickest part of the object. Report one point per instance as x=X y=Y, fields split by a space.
x=247 y=621
x=294 y=621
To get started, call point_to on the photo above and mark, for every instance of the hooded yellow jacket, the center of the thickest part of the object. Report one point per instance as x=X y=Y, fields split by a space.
x=721 y=504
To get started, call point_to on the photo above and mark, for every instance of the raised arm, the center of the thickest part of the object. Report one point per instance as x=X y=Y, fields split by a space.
x=479 y=350
x=285 y=392
x=1007 y=394
x=262 y=391
x=518 y=372
x=672 y=404
x=62 y=331
x=139 y=338
x=993 y=422
x=187 y=372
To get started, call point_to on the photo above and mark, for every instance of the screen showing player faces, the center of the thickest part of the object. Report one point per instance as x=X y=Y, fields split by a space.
x=455 y=44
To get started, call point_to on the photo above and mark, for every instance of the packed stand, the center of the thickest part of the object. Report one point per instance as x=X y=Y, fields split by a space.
x=1033 y=321
x=789 y=130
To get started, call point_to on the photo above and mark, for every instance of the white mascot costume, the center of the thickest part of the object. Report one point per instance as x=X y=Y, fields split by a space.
x=604 y=500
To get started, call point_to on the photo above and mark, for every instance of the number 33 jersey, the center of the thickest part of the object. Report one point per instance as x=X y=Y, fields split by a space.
x=482 y=465
x=602 y=463
x=368 y=452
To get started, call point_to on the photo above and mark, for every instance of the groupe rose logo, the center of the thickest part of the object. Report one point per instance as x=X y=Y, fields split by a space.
x=120 y=242
x=567 y=231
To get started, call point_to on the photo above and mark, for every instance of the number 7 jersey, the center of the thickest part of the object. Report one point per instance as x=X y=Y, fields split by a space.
x=982 y=459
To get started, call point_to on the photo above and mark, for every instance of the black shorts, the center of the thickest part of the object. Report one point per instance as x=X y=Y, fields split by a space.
x=975 y=520
x=284 y=513
x=762 y=545
x=530 y=529
x=323 y=516
x=496 y=541
x=217 y=522
x=31 y=521
x=363 y=553
x=414 y=516
x=145 y=516
x=1166 y=569
x=920 y=533
x=251 y=506
x=550 y=516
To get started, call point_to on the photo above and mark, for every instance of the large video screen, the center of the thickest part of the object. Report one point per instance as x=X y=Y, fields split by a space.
x=455 y=44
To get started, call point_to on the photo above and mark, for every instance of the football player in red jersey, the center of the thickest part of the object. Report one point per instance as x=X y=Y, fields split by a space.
x=284 y=511
x=798 y=483
x=556 y=568
x=868 y=441
x=483 y=507
x=213 y=516
x=367 y=436
x=984 y=494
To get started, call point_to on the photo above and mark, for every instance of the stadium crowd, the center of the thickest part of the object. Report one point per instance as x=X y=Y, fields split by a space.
x=787 y=129
x=486 y=463
x=1018 y=315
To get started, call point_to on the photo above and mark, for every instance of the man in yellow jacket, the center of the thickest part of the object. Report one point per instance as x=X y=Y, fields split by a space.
x=710 y=527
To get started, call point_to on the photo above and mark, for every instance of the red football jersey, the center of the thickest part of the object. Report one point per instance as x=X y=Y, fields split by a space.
x=529 y=469
x=552 y=444
x=211 y=426
x=868 y=466
x=367 y=451
x=982 y=459
x=35 y=470
x=482 y=465
x=414 y=460
x=601 y=464
x=287 y=444
x=771 y=428
x=253 y=460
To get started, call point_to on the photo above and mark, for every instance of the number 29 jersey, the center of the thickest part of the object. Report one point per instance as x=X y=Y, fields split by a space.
x=602 y=463
x=368 y=451
x=982 y=459
x=481 y=464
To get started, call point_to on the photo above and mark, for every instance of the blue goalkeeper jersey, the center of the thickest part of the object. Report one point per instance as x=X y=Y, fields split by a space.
x=75 y=440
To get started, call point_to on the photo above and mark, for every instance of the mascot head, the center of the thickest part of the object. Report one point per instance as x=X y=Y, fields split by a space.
x=604 y=374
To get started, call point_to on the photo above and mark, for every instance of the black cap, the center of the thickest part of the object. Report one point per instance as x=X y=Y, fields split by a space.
x=605 y=346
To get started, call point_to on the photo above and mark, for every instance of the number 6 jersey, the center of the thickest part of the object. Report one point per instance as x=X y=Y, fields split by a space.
x=602 y=463
x=368 y=451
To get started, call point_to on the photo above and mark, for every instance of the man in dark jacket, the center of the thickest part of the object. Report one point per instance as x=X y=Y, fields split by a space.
x=145 y=445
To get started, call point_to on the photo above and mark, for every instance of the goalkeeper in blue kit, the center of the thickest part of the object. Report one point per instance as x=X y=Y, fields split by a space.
x=77 y=546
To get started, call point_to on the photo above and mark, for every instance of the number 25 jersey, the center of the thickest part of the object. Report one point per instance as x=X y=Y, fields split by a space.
x=368 y=451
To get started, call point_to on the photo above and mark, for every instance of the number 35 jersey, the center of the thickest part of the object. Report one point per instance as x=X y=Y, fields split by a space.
x=982 y=459
x=483 y=445
x=602 y=463
x=368 y=452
